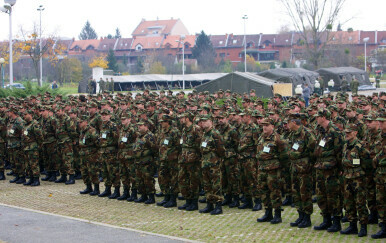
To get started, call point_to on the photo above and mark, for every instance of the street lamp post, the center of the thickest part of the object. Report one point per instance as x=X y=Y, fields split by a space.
x=365 y=40
x=245 y=17
x=183 y=60
x=2 y=72
x=41 y=9
x=7 y=8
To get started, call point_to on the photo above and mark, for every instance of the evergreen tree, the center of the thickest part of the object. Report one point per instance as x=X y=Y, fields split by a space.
x=204 y=52
x=109 y=36
x=112 y=61
x=117 y=34
x=88 y=32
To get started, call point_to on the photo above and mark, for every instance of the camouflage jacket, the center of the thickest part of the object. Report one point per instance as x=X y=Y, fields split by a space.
x=190 y=143
x=212 y=148
x=49 y=129
x=88 y=140
x=144 y=147
x=108 y=136
x=231 y=140
x=328 y=147
x=65 y=129
x=352 y=159
x=32 y=136
x=126 y=140
x=248 y=139
x=14 y=131
x=3 y=130
x=269 y=151
x=169 y=144
x=373 y=143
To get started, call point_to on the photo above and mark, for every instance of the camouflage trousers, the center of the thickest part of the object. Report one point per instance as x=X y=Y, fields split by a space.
x=270 y=185
x=50 y=156
x=371 y=192
x=16 y=156
x=380 y=180
x=231 y=177
x=189 y=179
x=66 y=156
x=168 y=176
x=110 y=168
x=89 y=168
x=302 y=192
x=2 y=156
x=328 y=192
x=127 y=171
x=286 y=173
x=211 y=178
x=76 y=158
x=355 y=199
x=145 y=177
x=249 y=175
x=32 y=163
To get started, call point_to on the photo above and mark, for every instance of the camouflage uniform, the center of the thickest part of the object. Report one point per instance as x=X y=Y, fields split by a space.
x=14 y=132
x=355 y=181
x=88 y=153
x=301 y=145
x=212 y=150
x=188 y=162
x=379 y=163
x=3 y=137
x=31 y=139
x=328 y=148
x=169 y=147
x=51 y=157
x=65 y=131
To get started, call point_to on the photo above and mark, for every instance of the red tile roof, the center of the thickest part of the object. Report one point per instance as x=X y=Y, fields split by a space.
x=147 y=27
x=84 y=44
x=148 y=42
x=106 y=44
x=124 y=44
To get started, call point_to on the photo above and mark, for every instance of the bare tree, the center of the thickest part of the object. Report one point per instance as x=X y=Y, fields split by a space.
x=314 y=20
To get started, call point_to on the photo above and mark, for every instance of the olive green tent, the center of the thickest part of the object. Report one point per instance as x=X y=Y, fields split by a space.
x=337 y=74
x=239 y=82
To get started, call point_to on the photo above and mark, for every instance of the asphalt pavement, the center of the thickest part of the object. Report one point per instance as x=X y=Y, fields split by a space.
x=19 y=225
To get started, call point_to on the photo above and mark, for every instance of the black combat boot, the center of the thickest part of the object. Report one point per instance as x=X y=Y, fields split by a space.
x=78 y=175
x=325 y=224
x=29 y=182
x=380 y=234
x=363 y=230
x=62 y=179
x=306 y=222
x=187 y=203
x=36 y=182
x=96 y=190
x=277 y=218
x=227 y=200
x=21 y=180
x=48 y=176
x=258 y=205
x=116 y=193
x=2 y=176
x=203 y=200
x=15 y=179
x=172 y=202
x=100 y=177
x=373 y=217
x=247 y=204
x=298 y=220
x=164 y=201
x=133 y=195
x=106 y=193
x=160 y=194
x=125 y=194
x=142 y=199
x=53 y=176
x=236 y=202
x=151 y=199
x=344 y=219
x=209 y=208
x=193 y=205
x=267 y=216
x=87 y=190
x=71 y=180
x=217 y=210
x=352 y=229
x=11 y=173
x=202 y=192
x=180 y=198
x=287 y=201
x=335 y=227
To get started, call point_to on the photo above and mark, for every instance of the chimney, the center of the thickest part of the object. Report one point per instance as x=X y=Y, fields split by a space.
x=376 y=37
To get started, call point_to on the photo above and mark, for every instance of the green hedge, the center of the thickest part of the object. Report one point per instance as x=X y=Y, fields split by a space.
x=30 y=90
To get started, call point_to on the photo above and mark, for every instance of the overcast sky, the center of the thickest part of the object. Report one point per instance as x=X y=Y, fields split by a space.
x=67 y=17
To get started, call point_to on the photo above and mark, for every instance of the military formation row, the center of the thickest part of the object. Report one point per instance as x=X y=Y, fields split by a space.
x=258 y=149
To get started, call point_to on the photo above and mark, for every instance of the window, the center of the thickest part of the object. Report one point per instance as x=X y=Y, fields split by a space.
x=138 y=47
x=155 y=32
x=156 y=43
x=222 y=54
x=220 y=42
x=350 y=38
x=125 y=44
x=240 y=55
x=234 y=41
x=227 y=54
x=104 y=46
